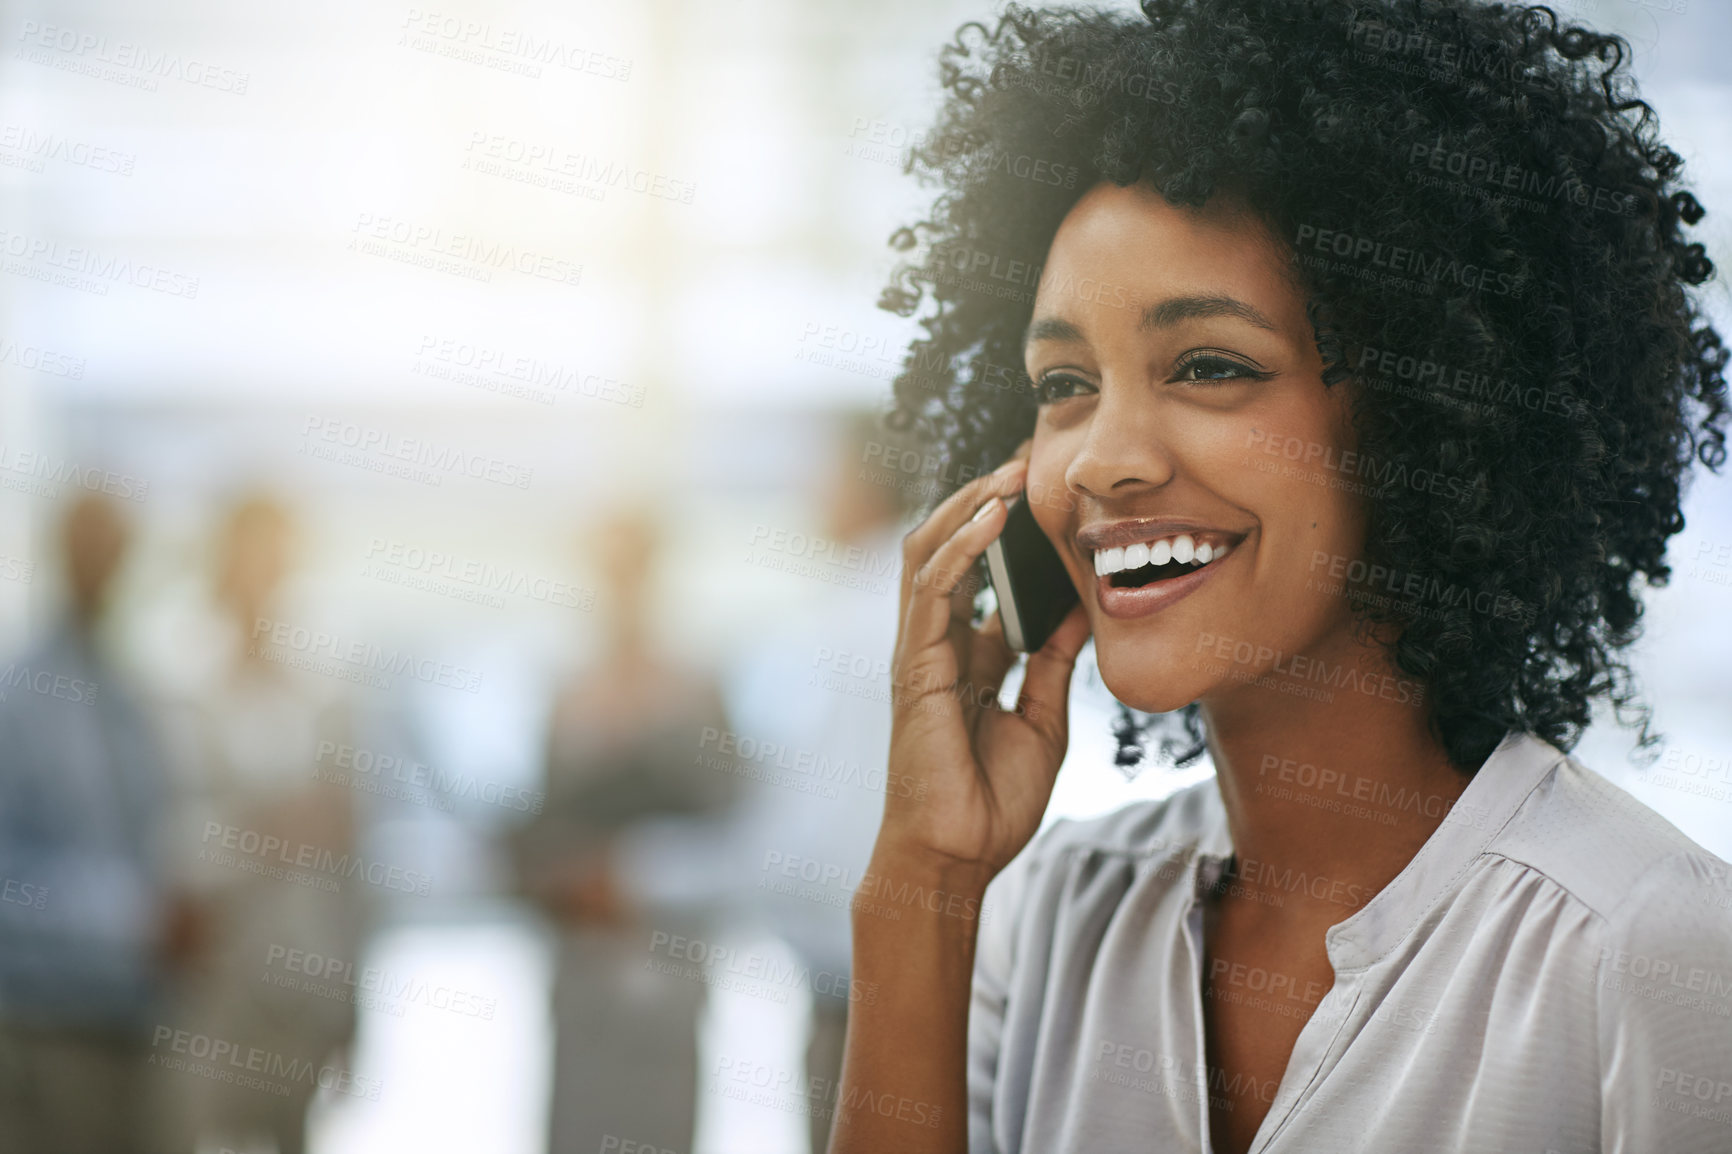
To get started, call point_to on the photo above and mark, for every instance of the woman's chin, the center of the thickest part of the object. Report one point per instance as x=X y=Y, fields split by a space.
x=1150 y=687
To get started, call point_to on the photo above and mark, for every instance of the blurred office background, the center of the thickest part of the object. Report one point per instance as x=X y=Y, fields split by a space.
x=393 y=333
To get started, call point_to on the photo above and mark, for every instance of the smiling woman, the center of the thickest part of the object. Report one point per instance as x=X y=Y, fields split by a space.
x=1147 y=421
x=1278 y=421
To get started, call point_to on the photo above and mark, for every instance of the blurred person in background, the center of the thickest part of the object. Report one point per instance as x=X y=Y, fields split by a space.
x=784 y=690
x=87 y=924
x=622 y=758
x=246 y=749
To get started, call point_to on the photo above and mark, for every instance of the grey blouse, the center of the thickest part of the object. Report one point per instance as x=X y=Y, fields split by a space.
x=1550 y=974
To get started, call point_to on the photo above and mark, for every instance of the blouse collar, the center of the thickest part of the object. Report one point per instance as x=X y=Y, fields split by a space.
x=1514 y=769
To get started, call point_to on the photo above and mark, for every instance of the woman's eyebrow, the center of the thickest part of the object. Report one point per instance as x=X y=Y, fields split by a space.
x=1052 y=329
x=1175 y=309
x=1157 y=316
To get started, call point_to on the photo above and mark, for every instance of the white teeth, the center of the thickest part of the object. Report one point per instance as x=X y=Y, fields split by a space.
x=1182 y=548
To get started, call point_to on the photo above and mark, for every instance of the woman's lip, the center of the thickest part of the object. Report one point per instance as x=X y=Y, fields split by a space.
x=1155 y=596
x=1149 y=529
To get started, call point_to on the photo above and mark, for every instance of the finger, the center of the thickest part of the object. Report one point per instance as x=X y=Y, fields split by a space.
x=991 y=650
x=989 y=659
x=962 y=620
x=967 y=591
x=931 y=534
x=1046 y=686
x=962 y=631
x=934 y=586
x=962 y=602
x=933 y=641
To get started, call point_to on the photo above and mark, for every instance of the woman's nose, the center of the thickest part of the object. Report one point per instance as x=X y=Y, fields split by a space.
x=1122 y=447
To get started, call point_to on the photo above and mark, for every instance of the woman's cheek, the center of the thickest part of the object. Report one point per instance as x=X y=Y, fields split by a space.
x=1046 y=492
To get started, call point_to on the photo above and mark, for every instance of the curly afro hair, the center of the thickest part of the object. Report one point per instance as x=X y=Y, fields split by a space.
x=1491 y=237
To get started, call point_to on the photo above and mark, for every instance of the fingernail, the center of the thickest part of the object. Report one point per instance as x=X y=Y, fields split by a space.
x=985 y=509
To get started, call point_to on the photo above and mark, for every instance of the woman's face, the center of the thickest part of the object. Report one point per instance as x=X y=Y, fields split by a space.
x=1179 y=380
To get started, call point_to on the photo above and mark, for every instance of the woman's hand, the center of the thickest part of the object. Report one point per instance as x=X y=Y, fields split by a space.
x=988 y=773
x=972 y=781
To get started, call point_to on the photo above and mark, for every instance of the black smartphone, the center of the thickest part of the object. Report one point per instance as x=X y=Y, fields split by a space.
x=1033 y=587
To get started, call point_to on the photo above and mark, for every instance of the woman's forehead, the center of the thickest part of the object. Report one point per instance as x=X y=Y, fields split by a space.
x=1126 y=247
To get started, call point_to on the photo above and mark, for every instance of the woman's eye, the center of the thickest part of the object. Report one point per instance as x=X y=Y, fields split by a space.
x=1057 y=387
x=1208 y=367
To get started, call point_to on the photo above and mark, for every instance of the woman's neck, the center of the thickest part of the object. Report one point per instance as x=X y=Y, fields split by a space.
x=1329 y=794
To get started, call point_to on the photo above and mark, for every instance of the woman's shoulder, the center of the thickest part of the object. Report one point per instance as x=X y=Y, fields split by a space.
x=1658 y=947
x=1614 y=854
x=1172 y=829
x=1184 y=822
x=1658 y=924
x=1140 y=838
